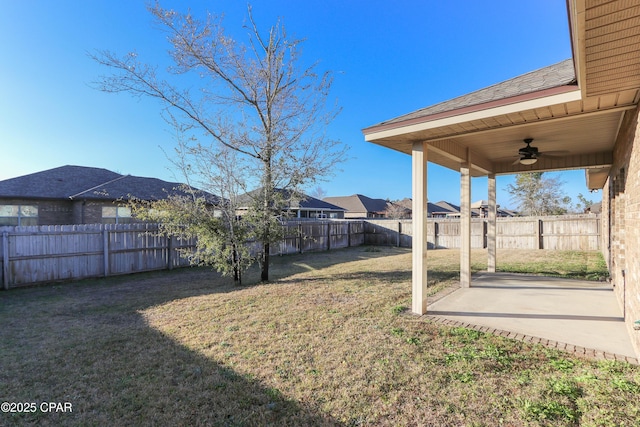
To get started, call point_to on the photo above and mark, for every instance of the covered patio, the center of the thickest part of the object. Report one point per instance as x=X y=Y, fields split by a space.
x=571 y=315
x=571 y=113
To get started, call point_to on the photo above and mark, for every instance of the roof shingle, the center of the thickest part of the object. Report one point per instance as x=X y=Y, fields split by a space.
x=80 y=182
x=560 y=74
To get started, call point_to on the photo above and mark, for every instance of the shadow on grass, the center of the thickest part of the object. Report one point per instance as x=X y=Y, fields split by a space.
x=290 y=265
x=88 y=344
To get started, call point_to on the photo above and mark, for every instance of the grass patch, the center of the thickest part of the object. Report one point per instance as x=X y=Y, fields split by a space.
x=324 y=343
x=569 y=264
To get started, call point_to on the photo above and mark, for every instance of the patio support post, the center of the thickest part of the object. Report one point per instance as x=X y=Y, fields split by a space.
x=419 y=205
x=491 y=229
x=465 y=222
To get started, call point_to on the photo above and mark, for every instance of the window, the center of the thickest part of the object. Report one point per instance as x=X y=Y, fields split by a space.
x=116 y=215
x=18 y=215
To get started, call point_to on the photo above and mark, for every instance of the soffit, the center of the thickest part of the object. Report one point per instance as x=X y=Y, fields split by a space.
x=609 y=48
x=582 y=122
x=578 y=129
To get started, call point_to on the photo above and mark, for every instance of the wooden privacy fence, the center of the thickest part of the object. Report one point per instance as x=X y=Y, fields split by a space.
x=39 y=254
x=306 y=236
x=567 y=232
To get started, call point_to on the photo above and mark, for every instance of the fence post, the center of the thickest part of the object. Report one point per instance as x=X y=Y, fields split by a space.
x=435 y=234
x=484 y=234
x=170 y=251
x=349 y=234
x=399 y=232
x=328 y=236
x=539 y=236
x=105 y=244
x=299 y=237
x=5 y=260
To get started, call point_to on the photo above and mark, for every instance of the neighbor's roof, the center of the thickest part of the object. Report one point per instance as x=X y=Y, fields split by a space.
x=304 y=203
x=86 y=183
x=57 y=183
x=358 y=203
x=448 y=207
x=553 y=76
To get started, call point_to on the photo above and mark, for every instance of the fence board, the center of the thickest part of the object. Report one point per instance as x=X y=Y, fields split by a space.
x=571 y=232
x=43 y=254
x=31 y=255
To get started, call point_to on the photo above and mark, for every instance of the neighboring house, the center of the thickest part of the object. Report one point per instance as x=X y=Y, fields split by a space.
x=77 y=195
x=595 y=208
x=434 y=210
x=444 y=209
x=478 y=209
x=306 y=207
x=481 y=209
x=359 y=206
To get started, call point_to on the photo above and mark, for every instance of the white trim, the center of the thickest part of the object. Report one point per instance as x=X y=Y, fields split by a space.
x=419 y=159
x=547 y=101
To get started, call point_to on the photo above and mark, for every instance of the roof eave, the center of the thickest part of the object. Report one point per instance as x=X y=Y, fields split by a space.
x=543 y=98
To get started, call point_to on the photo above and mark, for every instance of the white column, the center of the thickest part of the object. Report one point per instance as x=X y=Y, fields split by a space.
x=419 y=205
x=465 y=222
x=491 y=226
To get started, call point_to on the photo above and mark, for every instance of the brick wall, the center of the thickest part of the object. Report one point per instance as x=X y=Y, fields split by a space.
x=621 y=221
x=62 y=212
x=93 y=212
x=50 y=212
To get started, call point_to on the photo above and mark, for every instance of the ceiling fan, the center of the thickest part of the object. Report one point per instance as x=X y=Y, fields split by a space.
x=529 y=155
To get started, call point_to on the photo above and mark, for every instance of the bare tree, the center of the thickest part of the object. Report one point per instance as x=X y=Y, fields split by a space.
x=396 y=211
x=253 y=99
x=319 y=193
x=537 y=195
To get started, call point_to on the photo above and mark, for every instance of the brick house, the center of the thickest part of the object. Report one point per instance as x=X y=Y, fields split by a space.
x=76 y=195
x=358 y=206
x=585 y=107
x=298 y=207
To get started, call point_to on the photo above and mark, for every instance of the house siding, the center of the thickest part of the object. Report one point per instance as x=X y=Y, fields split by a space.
x=50 y=212
x=355 y=215
x=93 y=212
x=621 y=222
x=62 y=212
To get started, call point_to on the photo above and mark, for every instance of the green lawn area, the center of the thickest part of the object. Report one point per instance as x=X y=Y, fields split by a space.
x=327 y=342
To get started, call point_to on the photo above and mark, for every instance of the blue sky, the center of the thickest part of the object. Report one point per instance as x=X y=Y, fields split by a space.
x=389 y=58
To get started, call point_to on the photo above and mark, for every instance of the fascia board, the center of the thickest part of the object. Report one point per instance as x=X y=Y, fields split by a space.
x=531 y=104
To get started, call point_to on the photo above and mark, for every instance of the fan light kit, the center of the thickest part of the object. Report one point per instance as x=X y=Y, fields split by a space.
x=528 y=154
x=528 y=160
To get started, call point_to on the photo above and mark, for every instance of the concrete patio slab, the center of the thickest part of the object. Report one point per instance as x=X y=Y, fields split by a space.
x=576 y=312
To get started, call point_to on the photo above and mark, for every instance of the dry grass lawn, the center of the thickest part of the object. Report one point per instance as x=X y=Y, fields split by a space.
x=327 y=342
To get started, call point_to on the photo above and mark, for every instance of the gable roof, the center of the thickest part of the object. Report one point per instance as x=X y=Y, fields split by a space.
x=358 y=203
x=57 y=183
x=87 y=183
x=448 y=207
x=304 y=203
x=551 y=77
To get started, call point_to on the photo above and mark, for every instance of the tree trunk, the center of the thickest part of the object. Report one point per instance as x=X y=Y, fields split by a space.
x=266 y=213
x=237 y=278
x=265 y=262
